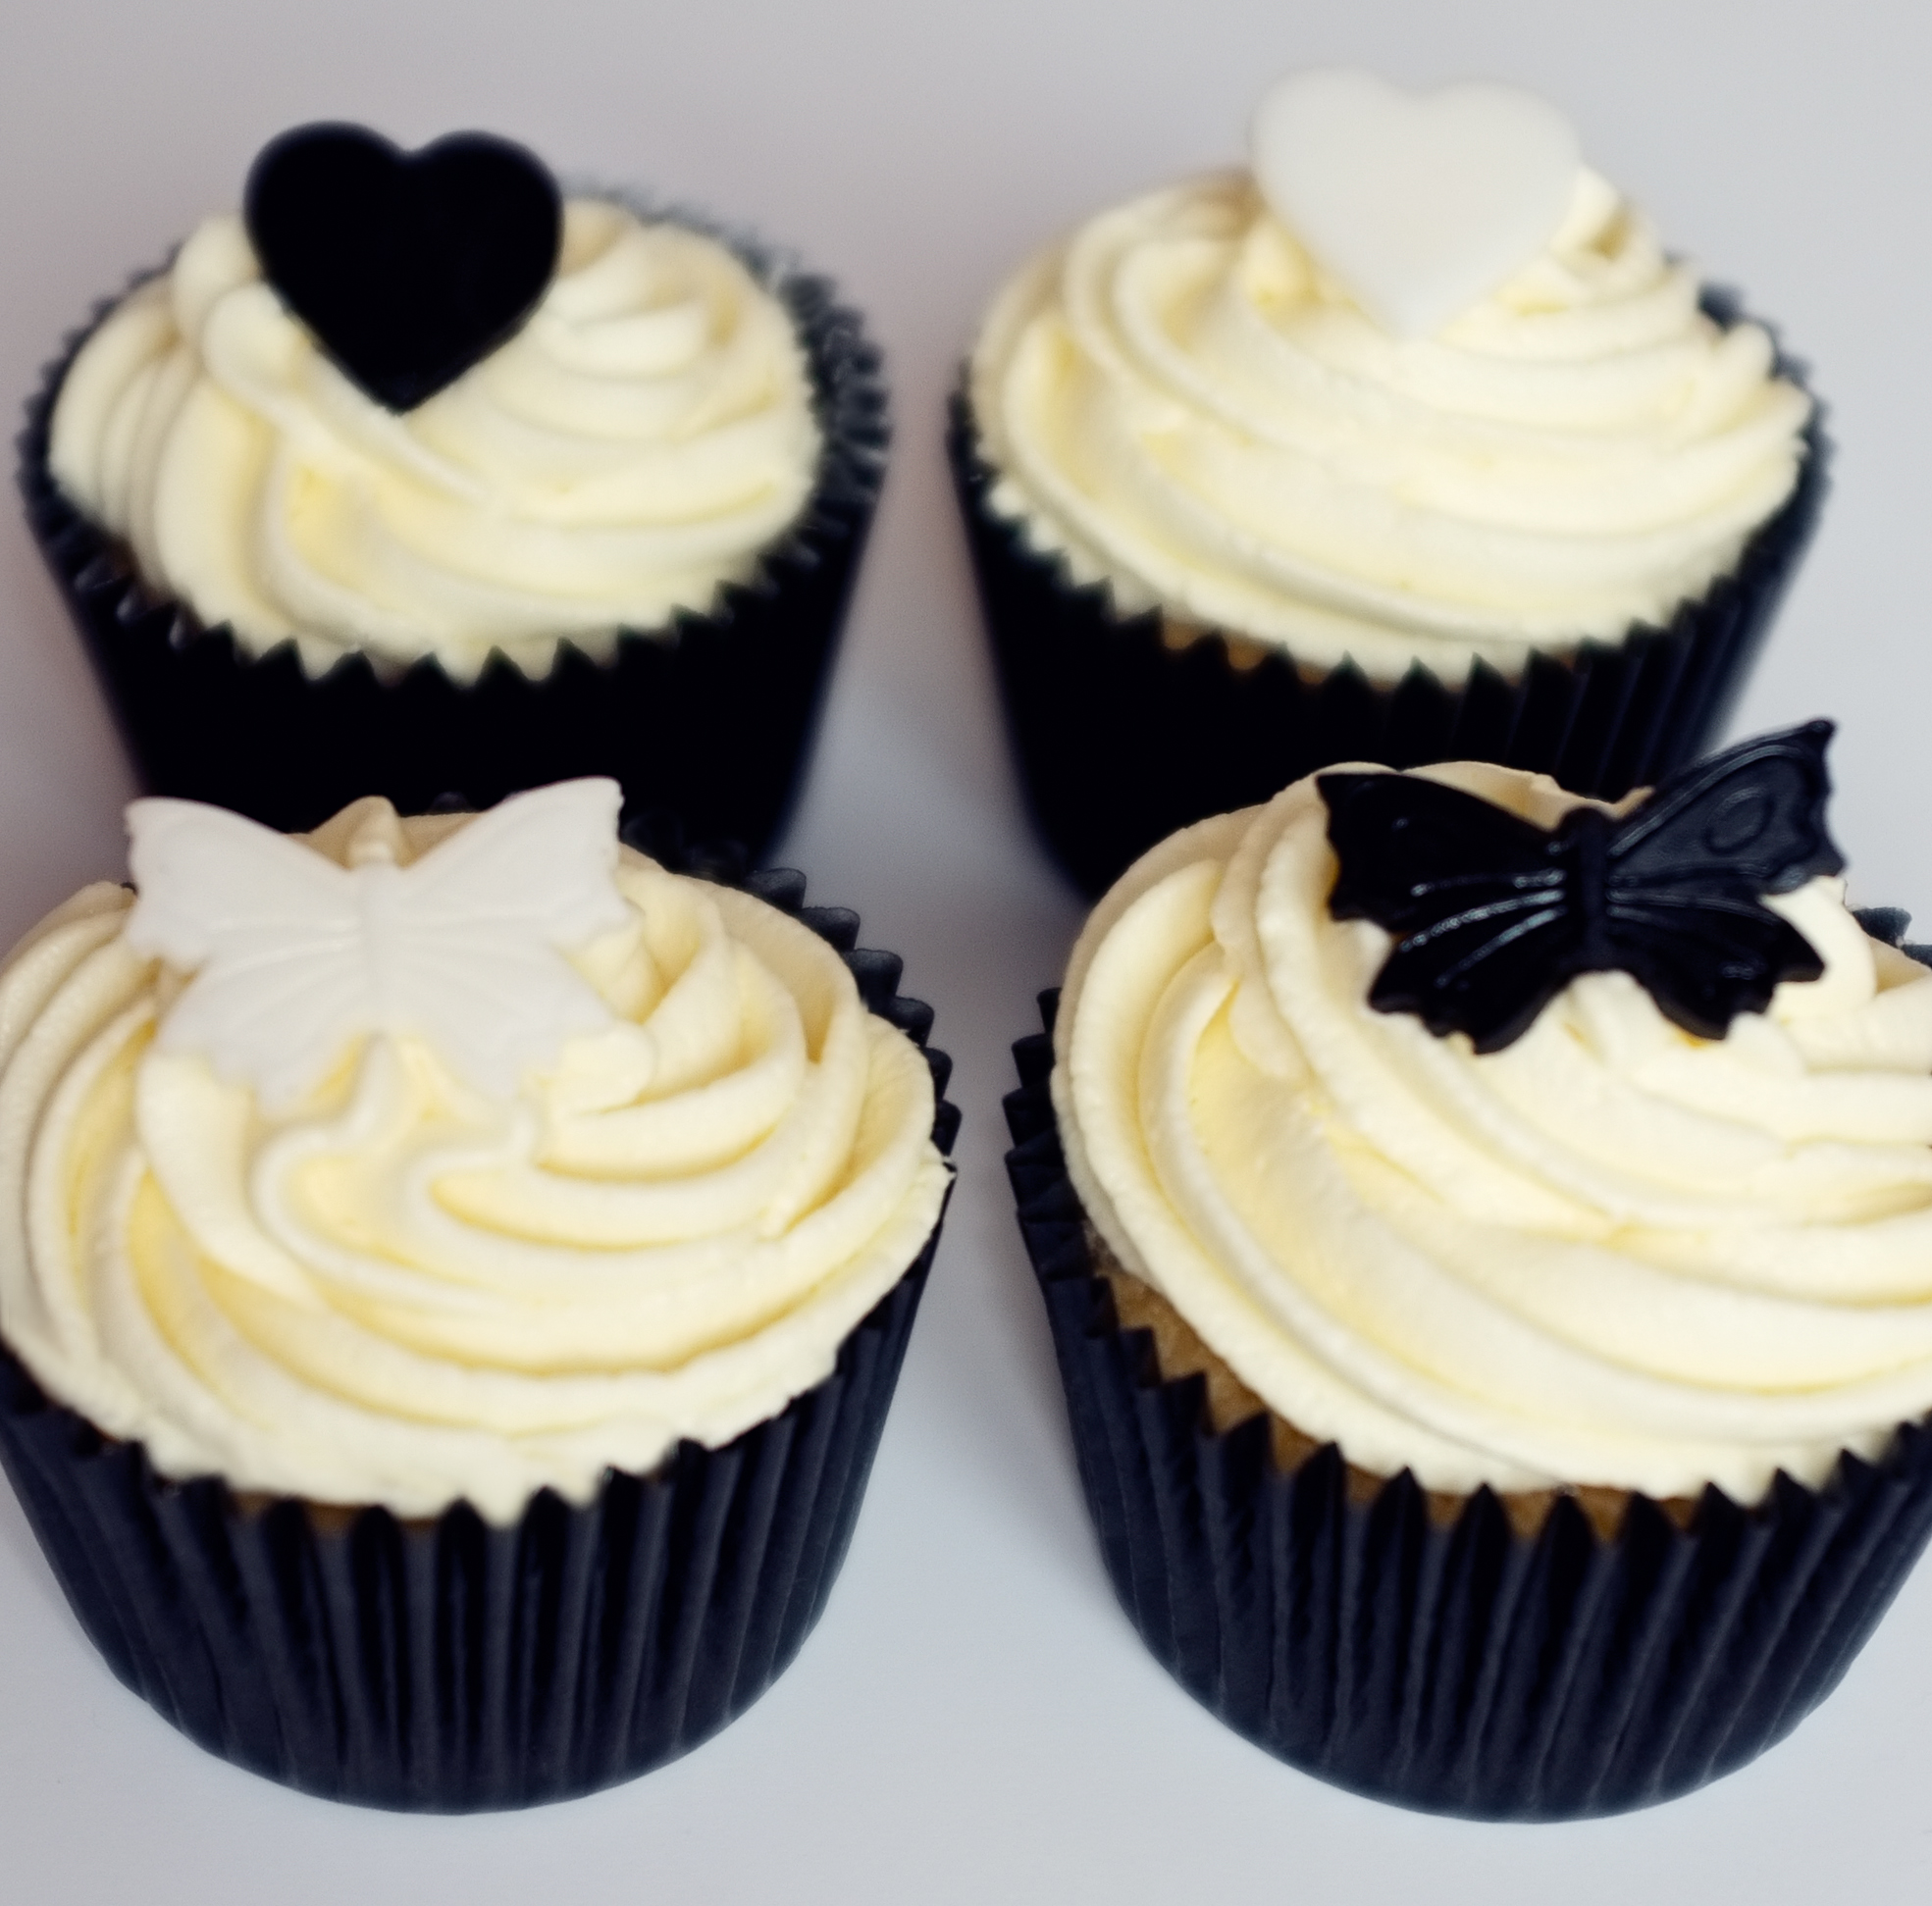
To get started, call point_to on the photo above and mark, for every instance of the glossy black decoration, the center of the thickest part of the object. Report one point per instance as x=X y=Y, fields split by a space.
x=407 y=267
x=1494 y=915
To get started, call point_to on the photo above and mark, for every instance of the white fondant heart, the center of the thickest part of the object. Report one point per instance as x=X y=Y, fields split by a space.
x=1419 y=205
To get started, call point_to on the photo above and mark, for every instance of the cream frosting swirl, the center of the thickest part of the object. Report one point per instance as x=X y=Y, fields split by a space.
x=1612 y=1252
x=404 y=1290
x=634 y=447
x=1183 y=405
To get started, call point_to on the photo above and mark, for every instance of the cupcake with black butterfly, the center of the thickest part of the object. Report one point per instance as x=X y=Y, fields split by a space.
x=419 y=478
x=1409 y=441
x=1486 y=1234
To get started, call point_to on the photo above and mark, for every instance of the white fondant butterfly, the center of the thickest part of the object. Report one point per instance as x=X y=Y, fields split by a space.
x=294 y=956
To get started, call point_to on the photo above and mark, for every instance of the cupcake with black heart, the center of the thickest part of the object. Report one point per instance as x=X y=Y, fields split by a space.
x=1408 y=441
x=418 y=477
x=1486 y=1236
x=454 y=1273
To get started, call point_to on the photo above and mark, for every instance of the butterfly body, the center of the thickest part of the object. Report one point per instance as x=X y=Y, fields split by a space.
x=1494 y=915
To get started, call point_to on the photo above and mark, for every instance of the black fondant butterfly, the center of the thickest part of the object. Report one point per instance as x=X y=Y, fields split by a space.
x=1492 y=917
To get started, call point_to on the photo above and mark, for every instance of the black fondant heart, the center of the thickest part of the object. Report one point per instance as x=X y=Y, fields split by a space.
x=407 y=267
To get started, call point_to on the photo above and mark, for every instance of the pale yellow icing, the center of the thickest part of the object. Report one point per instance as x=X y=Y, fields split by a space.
x=1179 y=402
x=1612 y=1252
x=624 y=456
x=401 y=1289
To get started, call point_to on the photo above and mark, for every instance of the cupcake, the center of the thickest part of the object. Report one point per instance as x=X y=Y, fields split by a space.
x=1409 y=443
x=1486 y=1239
x=417 y=478
x=454 y=1273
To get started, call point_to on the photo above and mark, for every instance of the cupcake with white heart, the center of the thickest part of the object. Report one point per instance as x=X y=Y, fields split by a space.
x=1408 y=441
x=453 y=1271
x=417 y=475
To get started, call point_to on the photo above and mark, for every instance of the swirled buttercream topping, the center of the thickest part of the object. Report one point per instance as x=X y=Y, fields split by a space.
x=1613 y=1252
x=633 y=449
x=1180 y=402
x=400 y=1288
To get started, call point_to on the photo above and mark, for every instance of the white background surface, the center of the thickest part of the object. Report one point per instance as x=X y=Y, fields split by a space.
x=973 y=1721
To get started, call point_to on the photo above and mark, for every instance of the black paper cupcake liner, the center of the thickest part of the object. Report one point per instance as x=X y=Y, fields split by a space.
x=1121 y=739
x=1454 y=1666
x=450 y=1665
x=712 y=717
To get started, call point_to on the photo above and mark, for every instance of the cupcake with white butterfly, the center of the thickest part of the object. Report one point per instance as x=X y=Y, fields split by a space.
x=1488 y=1240
x=418 y=475
x=454 y=1271
x=1408 y=441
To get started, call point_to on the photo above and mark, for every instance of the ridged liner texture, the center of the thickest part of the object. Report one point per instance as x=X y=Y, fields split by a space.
x=1122 y=739
x=1455 y=1666
x=452 y=1665
x=712 y=717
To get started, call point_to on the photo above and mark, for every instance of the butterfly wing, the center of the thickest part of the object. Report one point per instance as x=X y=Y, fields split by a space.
x=1480 y=902
x=544 y=858
x=268 y=928
x=477 y=965
x=1750 y=820
x=1687 y=872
